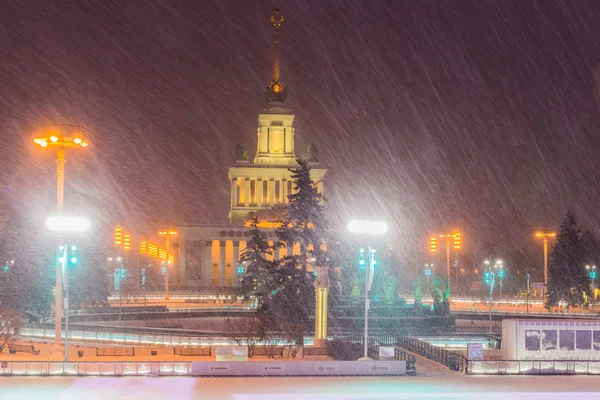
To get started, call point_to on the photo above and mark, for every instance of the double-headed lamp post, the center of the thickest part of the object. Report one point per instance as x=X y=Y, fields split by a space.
x=591 y=270
x=428 y=272
x=367 y=228
x=61 y=225
x=499 y=266
x=60 y=138
x=490 y=279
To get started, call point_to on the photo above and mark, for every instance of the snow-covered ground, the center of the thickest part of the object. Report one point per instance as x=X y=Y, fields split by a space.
x=466 y=388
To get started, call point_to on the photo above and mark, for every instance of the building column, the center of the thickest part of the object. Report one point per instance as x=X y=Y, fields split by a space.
x=283 y=250
x=277 y=253
x=221 y=263
x=247 y=191
x=271 y=192
x=233 y=192
x=206 y=271
x=236 y=263
x=284 y=192
x=321 y=295
x=259 y=192
x=182 y=259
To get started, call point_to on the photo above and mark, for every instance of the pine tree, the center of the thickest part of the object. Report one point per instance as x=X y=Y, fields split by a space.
x=566 y=270
x=260 y=279
x=303 y=222
x=303 y=219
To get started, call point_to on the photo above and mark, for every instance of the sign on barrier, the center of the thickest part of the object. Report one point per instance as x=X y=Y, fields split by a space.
x=387 y=353
x=300 y=368
x=475 y=351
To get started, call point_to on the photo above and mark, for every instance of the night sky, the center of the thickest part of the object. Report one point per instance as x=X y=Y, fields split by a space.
x=476 y=115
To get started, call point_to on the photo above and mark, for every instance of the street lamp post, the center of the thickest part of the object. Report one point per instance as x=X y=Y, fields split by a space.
x=545 y=235
x=61 y=138
x=167 y=233
x=428 y=271
x=118 y=280
x=499 y=265
x=62 y=224
x=490 y=280
x=528 y=278
x=592 y=274
x=367 y=228
x=456 y=245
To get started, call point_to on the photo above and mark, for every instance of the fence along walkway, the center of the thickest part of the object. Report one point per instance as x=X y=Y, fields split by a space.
x=454 y=361
x=530 y=367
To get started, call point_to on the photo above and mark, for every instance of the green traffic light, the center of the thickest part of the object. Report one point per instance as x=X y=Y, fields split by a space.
x=6 y=268
x=73 y=260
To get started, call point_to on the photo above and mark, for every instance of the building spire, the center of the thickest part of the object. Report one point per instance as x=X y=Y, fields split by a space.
x=275 y=91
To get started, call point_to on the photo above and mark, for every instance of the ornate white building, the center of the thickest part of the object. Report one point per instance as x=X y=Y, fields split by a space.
x=208 y=255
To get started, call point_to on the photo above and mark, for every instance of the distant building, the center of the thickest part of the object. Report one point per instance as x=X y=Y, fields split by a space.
x=209 y=254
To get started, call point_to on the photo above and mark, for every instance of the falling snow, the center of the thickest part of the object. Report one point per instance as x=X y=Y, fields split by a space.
x=482 y=115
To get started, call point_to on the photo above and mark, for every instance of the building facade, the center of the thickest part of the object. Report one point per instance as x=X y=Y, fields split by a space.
x=209 y=254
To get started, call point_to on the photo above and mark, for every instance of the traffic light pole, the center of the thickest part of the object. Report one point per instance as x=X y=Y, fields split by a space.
x=167 y=269
x=528 y=276
x=492 y=281
x=367 y=276
x=120 y=290
x=66 y=284
x=593 y=290
x=448 y=257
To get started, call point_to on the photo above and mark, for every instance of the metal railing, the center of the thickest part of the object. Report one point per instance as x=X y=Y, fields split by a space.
x=171 y=368
x=138 y=338
x=454 y=361
x=533 y=367
x=34 y=368
x=411 y=361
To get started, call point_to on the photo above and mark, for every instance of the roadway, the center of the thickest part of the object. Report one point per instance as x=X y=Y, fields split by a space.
x=457 y=387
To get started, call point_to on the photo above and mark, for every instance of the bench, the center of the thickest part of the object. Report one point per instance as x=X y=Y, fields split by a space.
x=22 y=348
x=115 y=351
x=191 y=351
x=277 y=352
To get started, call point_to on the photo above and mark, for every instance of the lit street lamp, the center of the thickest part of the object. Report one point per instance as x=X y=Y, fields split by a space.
x=62 y=224
x=453 y=239
x=367 y=228
x=545 y=235
x=167 y=233
x=61 y=138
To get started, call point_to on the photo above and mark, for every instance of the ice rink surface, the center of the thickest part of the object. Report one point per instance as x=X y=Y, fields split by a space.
x=288 y=388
